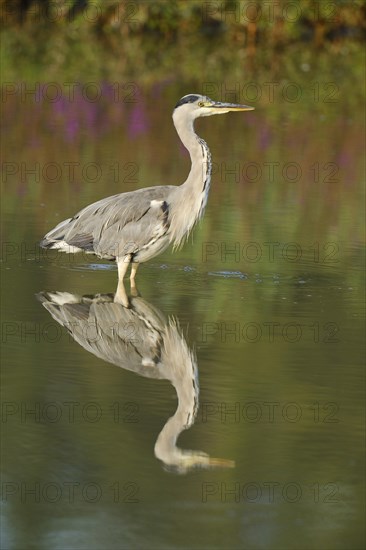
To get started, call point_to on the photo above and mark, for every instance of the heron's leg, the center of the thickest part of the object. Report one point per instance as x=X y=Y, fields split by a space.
x=121 y=297
x=122 y=265
x=134 y=267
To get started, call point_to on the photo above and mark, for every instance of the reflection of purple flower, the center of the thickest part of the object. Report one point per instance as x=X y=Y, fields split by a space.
x=38 y=95
x=60 y=106
x=34 y=142
x=107 y=91
x=251 y=119
x=90 y=114
x=264 y=138
x=160 y=86
x=21 y=189
x=72 y=128
x=344 y=159
x=138 y=123
x=79 y=112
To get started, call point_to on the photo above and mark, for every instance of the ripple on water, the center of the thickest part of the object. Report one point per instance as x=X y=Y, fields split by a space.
x=92 y=267
x=228 y=274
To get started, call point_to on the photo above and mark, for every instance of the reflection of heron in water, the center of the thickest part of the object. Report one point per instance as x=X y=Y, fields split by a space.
x=141 y=340
x=134 y=227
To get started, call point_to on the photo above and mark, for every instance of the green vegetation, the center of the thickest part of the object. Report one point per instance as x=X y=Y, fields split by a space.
x=149 y=39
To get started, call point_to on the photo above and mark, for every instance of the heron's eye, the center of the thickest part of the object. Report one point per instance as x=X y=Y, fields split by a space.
x=201 y=104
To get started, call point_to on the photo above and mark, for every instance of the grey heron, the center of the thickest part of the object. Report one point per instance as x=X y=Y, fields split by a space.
x=140 y=339
x=136 y=226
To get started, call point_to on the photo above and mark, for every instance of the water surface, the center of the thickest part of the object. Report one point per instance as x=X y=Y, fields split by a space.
x=268 y=294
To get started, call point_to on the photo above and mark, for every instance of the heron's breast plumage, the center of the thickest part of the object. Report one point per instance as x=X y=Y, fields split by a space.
x=191 y=197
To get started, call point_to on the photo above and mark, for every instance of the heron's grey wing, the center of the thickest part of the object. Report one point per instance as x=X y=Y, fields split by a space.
x=117 y=225
x=124 y=337
x=136 y=232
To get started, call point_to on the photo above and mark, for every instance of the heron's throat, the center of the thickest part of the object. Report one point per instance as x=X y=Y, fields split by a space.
x=186 y=385
x=193 y=193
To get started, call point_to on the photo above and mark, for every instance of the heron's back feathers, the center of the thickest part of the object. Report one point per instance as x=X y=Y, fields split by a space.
x=120 y=225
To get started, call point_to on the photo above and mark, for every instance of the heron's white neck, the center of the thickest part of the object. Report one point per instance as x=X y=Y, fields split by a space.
x=180 y=367
x=166 y=448
x=166 y=444
x=193 y=193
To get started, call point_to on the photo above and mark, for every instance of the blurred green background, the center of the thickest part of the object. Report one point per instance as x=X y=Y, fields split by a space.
x=88 y=89
x=195 y=39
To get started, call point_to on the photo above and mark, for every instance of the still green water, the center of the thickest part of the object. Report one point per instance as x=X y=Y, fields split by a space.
x=268 y=295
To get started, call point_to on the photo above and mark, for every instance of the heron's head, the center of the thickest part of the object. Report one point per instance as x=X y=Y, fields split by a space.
x=193 y=106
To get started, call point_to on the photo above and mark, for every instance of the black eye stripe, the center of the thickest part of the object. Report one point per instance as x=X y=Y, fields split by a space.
x=187 y=99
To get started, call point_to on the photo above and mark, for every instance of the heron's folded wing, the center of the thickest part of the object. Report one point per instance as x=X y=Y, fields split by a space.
x=114 y=221
x=137 y=234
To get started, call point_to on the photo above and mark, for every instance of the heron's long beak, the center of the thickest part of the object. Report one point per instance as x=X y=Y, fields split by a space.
x=219 y=108
x=229 y=106
x=194 y=459
x=221 y=463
